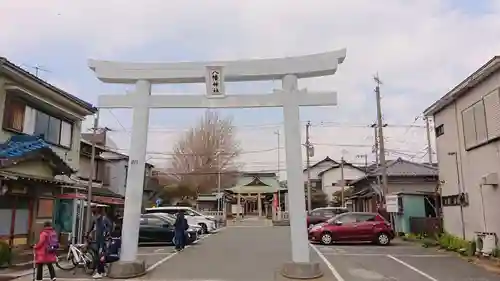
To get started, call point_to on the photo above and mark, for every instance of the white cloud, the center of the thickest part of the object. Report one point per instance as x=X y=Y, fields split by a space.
x=420 y=48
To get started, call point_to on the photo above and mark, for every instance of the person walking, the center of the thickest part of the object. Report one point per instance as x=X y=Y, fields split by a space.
x=180 y=227
x=46 y=251
x=102 y=227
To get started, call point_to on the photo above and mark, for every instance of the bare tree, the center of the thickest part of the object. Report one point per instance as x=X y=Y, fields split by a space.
x=206 y=149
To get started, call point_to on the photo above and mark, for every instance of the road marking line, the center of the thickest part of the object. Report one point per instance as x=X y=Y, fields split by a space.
x=413 y=268
x=384 y=255
x=158 y=263
x=159 y=250
x=153 y=254
x=335 y=273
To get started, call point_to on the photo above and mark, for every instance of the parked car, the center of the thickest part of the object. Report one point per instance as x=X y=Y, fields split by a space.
x=351 y=227
x=171 y=219
x=320 y=215
x=157 y=229
x=193 y=217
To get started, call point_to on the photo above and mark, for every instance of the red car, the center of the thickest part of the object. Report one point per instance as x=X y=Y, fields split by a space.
x=350 y=227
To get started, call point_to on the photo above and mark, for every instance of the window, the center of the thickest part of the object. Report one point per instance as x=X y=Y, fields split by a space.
x=364 y=218
x=21 y=118
x=481 y=121
x=492 y=110
x=317 y=214
x=13 y=117
x=156 y=222
x=439 y=130
x=347 y=219
x=328 y=213
x=45 y=208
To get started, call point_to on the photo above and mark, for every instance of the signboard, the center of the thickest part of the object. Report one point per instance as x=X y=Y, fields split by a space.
x=391 y=203
x=214 y=79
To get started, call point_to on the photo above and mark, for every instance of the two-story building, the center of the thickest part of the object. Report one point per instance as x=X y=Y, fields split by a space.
x=111 y=169
x=331 y=178
x=467 y=127
x=40 y=149
x=313 y=171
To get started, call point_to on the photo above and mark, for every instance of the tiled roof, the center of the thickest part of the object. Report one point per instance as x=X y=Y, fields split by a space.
x=402 y=168
x=23 y=147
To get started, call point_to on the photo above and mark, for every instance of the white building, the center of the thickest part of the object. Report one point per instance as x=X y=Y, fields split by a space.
x=331 y=178
x=467 y=126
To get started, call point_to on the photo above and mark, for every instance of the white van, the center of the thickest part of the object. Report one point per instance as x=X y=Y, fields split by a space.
x=193 y=217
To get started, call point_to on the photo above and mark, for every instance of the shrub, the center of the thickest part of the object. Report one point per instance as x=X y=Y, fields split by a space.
x=5 y=254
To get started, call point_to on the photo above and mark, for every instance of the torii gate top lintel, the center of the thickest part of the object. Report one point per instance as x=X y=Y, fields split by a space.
x=234 y=71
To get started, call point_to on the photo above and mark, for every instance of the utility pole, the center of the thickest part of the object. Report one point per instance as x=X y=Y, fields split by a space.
x=342 y=181
x=219 y=197
x=429 y=147
x=375 y=146
x=381 y=144
x=92 y=171
x=308 y=163
x=277 y=132
x=365 y=157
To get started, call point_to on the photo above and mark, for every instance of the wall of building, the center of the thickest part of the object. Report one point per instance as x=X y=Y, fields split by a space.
x=412 y=184
x=117 y=175
x=71 y=156
x=331 y=178
x=318 y=169
x=468 y=166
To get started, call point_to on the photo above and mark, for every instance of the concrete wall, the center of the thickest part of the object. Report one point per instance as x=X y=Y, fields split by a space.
x=472 y=165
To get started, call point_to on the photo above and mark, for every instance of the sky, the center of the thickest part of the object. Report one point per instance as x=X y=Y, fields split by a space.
x=420 y=50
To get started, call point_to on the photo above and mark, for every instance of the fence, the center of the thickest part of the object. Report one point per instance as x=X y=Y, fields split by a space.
x=429 y=226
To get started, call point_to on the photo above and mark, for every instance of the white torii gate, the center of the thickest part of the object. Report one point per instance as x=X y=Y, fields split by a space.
x=215 y=74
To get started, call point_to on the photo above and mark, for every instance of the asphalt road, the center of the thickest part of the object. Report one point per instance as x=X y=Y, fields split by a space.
x=399 y=262
x=250 y=252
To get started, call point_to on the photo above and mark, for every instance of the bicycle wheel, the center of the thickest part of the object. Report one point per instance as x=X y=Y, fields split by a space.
x=91 y=260
x=66 y=263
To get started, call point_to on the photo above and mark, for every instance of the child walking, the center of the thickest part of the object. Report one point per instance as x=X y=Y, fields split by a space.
x=46 y=251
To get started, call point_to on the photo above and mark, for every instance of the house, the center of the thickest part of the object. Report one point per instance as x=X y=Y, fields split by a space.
x=403 y=177
x=316 y=169
x=331 y=178
x=467 y=127
x=40 y=150
x=112 y=166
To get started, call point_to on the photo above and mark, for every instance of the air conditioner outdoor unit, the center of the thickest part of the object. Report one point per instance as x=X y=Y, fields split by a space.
x=490 y=179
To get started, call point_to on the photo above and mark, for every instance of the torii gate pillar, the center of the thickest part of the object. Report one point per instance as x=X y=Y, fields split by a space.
x=215 y=74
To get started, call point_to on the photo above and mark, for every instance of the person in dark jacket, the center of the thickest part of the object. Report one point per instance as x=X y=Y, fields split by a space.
x=102 y=227
x=180 y=227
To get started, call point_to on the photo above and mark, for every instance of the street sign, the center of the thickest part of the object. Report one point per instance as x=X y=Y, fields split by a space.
x=391 y=202
x=158 y=202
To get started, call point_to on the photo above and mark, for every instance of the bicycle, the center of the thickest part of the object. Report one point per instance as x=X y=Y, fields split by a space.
x=81 y=256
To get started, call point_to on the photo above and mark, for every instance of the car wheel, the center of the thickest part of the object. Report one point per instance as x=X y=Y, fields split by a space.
x=326 y=238
x=383 y=239
x=204 y=227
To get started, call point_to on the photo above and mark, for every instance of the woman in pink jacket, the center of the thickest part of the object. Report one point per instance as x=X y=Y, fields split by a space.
x=46 y=251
